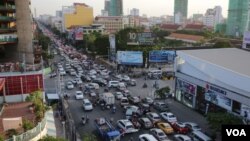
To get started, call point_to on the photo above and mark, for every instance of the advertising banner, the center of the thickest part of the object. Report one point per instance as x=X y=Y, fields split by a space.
x=129 y=57
x=112 y=41
x=161 y=56
x=142 y=38
x=186 y=86
x=79 y=34
x=245 y=111
x=246 y=40
x=219 y=100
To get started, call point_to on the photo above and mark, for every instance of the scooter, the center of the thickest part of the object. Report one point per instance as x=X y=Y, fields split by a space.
x=85 y=119
x=144 y=85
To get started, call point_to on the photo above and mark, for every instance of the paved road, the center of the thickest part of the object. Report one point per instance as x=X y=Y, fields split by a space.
x=182 y=112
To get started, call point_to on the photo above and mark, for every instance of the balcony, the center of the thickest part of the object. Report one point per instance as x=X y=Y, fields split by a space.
x=11 y=8
x=7 y=19
x=8 y=38
x=7 y=30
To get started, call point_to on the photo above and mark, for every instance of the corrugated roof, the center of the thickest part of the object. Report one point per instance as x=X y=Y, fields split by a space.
x=233 y=59
x=186 y=37
x=170 y=26
x=194 y=26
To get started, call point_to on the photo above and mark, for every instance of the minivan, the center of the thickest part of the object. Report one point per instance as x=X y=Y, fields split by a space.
x=199 y=136
x=113 y=84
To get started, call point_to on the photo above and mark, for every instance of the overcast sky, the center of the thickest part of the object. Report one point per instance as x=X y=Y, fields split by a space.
x=148 y=7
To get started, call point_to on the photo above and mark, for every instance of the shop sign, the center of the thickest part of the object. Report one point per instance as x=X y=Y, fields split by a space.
x=219 y=100
x=215 y=89
x=186 y=86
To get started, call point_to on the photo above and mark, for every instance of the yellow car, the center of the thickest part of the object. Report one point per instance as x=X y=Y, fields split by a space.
x=165 y=127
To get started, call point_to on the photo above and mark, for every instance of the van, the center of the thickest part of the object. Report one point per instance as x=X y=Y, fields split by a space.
x=154 y=73
x=199 y=136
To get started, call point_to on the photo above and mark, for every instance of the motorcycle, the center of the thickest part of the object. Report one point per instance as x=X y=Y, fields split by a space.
x=85 y=119
x=144 y=85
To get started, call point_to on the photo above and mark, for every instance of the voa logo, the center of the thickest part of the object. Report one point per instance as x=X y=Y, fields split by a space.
x=236 y=132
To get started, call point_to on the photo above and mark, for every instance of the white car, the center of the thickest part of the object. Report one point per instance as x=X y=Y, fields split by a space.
x=154 y=117
x=62 y=72
x=78 y=81
x=70 y=85
x=147 y=137
x=169 y=117
x=126 y=126
x=159 y=134
x=192 y=126
x=79 y=95
x=181 y=137
x=118 y=95
x=87 y=105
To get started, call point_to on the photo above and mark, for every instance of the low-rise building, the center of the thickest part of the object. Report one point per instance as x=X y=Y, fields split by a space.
x=111 y=24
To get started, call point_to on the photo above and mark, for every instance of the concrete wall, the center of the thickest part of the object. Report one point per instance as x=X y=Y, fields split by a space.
x=24 y=30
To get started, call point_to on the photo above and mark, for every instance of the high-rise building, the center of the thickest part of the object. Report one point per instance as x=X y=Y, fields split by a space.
x=107 y=6
x=134 y=12
x=180 y=11
x=116 y=8
x=16 y=33
x=238 y=17
x=197 y=18
x=79 y=14
x=213 y=17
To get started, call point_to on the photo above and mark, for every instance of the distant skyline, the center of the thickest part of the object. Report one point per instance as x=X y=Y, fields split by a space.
x=148 y=7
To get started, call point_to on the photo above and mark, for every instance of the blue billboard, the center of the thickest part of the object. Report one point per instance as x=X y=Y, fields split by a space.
x=161 y=56
x=129 y=57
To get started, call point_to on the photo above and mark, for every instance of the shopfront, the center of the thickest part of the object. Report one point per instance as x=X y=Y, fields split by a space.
x=185 y=92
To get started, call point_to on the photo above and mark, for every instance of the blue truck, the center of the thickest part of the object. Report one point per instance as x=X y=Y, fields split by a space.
x=106 y=130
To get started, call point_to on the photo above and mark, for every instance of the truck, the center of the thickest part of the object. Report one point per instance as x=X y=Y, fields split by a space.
x=106 y=130
x=109 y=98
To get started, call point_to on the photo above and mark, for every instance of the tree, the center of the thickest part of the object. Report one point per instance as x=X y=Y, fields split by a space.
x=50 y=138
x=102 y=45
x=222 y=44
x=162 y=93
x=27 y=125
x=89 y=137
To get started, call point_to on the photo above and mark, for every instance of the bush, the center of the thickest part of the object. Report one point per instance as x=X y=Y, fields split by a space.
x=11 y=132
x=162 y=92
x=50 y=138
x=27 y=125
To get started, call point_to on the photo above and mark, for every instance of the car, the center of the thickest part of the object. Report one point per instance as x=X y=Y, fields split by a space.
x=92 y=94
x=87 y=105
x=148 y=100
x=159 y=134
x=147 y=137
x=161 y=106
x=78 y=81
x=92 y=86
x=154 y=117
x=113 y=84
x=125 y=78
x=134 y=99
x=72 y=72
x=79 y=95
x=144 y=107
x=145 y=122
x=100 y=81
x=62 y=72
x=180 y=137
x=69 y=85
x=165 y=127
x=53 y=74
x=192 y=126
x=132 y=82
x=180 y=128
x=124 y=101
x=118 y=95
x=126 y=126
x=169 y=117
x=85 y=78
x=126 y=93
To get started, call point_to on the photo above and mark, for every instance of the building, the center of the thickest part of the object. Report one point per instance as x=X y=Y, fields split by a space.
x=134 y=12
x=197 y=18
x=16 y=33
x=170 y=27
x=107 y=6
x=180 y=11
x=212 y=80
x=213 y=17
x=112 y=24
x=238 y=17
x=195 y=27
x=186 y=38
x=116 y=8
x=105 y=13
x=79 y=14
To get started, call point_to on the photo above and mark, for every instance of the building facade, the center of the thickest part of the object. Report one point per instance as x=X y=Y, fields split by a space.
x=238 y=17
x=180 y=11
x=79 y=14
x=116 y=8
x=111 y=24
x=16 y=33
x=213 y=17
x=207 y=82
x=134 y=12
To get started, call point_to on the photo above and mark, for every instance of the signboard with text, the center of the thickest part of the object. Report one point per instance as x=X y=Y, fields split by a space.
x=161 y=56
x=129 y=57
x=142 y=38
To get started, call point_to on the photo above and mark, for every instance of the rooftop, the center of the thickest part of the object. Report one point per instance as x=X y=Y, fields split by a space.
x=236 y=60
x=170 y=26
x=179 y=36
x=194 y=26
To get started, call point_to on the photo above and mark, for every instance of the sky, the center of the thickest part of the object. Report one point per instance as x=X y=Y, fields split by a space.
x=148 y=7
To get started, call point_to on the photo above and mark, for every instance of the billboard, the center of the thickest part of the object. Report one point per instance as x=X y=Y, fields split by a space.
x=79 y=34
x=246 y=40
x=129 y=58
x=161 y=56
x=142 y=38
x=112 y=41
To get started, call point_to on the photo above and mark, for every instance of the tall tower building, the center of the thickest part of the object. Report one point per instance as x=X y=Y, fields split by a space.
x=107 y=6
x=16 y=33
x=180 y=11
x=116 y=8
x=238 y=17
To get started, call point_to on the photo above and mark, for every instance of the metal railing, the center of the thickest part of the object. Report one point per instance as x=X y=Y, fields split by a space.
x=9 y=7
x=27 y=136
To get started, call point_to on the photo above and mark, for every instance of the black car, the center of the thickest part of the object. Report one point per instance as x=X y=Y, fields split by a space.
x=145 y=107
x=132 y=82
x=85 y=78
x=100 y=82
